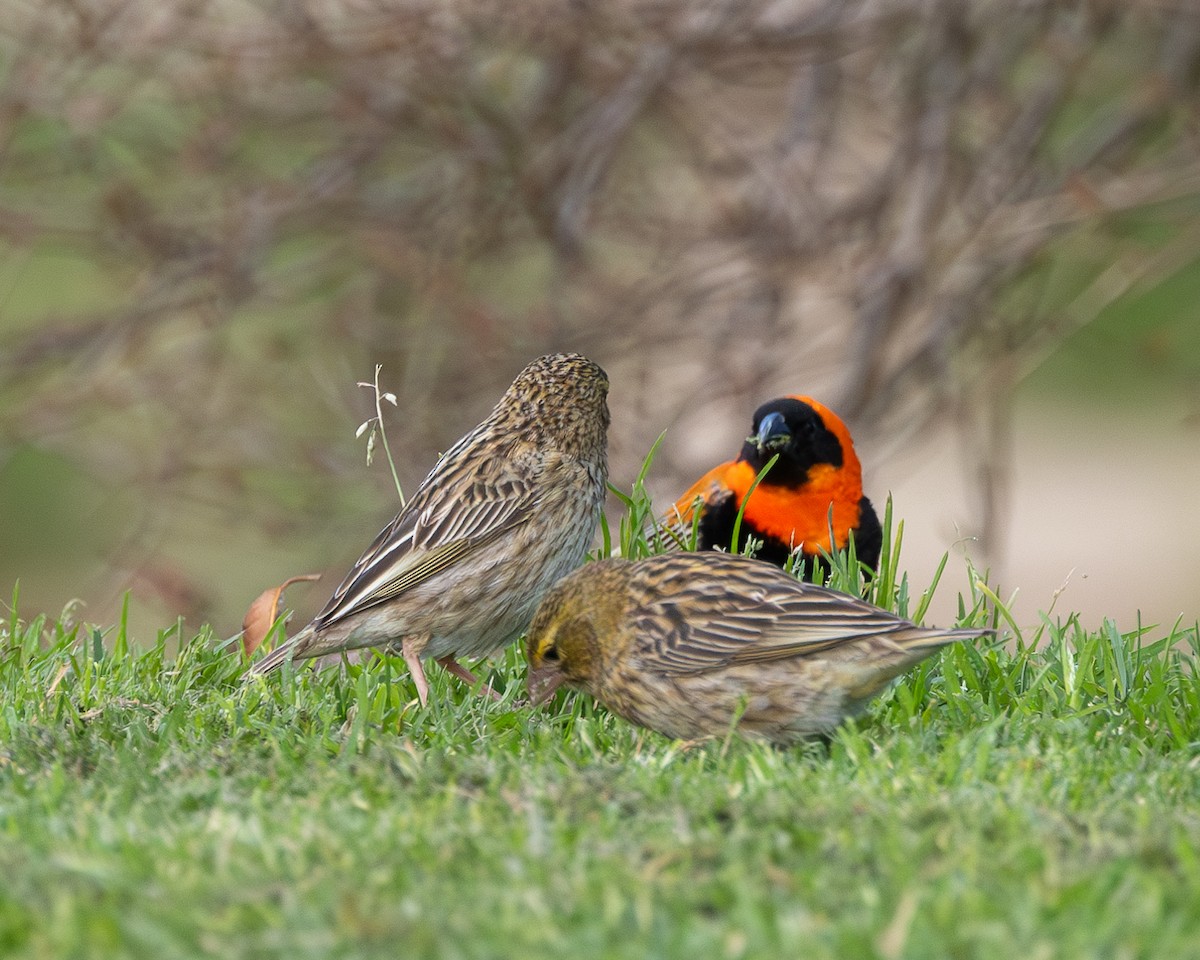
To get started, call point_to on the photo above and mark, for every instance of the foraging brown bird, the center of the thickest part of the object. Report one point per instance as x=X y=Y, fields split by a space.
x=814 y=486
x=689 y=644
x=506 y=512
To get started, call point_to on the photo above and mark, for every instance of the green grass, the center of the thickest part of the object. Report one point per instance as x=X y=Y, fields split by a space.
x=1038 y=797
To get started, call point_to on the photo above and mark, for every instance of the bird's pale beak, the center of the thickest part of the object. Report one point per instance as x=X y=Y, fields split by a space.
x=773 y=433
x=542 y=682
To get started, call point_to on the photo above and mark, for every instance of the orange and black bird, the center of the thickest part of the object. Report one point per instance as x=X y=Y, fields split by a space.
x=790 y=510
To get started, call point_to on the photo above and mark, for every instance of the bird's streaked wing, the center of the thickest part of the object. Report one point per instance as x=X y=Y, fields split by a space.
x=769 y=617
x=429 y=536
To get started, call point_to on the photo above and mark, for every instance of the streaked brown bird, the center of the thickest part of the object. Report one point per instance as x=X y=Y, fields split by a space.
x=506 y=512
x=689 y=644
x=813 y=489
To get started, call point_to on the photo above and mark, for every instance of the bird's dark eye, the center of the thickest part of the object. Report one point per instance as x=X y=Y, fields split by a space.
x=551 y=654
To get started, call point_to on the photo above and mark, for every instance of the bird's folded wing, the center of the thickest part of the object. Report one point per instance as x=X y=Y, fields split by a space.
x=712 y=483
x=428 y=537
x=719 y=631
x=675 y=528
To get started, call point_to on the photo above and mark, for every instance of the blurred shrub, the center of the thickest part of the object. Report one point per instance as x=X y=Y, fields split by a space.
x=216 y=216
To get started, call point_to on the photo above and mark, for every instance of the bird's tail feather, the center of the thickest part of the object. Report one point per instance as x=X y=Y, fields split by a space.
x=296 y=647
x=923 y=639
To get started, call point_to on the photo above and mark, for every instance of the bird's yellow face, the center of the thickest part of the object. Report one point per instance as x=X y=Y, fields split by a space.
x=561 y=647
x=574 y=636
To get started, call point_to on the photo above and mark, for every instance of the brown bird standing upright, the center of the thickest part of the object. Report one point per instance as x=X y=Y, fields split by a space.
x=506 y=512
x=690 y=643
x=817 y=472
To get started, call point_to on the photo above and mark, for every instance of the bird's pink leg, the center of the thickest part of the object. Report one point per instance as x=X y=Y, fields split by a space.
x=410 y=649
x=458 y=670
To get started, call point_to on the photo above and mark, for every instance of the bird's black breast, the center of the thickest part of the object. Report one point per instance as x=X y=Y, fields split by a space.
x=716 y=532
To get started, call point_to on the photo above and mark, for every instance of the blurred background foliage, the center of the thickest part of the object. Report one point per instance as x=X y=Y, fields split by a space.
x=217 y=215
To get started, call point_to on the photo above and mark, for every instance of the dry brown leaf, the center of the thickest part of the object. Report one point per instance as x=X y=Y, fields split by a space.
x=263 y=611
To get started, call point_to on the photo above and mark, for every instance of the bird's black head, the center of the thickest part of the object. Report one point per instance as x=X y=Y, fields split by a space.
x=794 y=430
